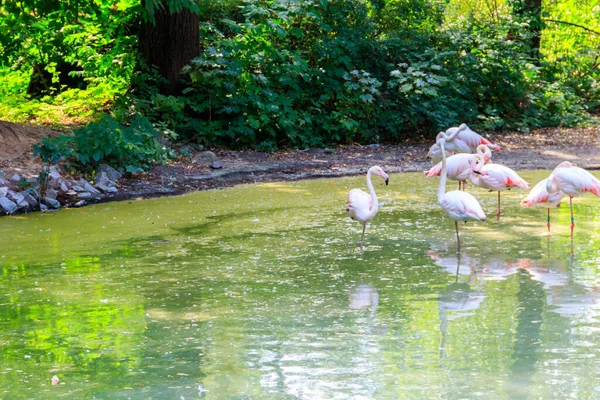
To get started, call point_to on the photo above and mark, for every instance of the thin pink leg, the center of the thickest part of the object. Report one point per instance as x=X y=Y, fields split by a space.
x=548 y=223
x=499 y=211
x=572 y=218
x=457 y=237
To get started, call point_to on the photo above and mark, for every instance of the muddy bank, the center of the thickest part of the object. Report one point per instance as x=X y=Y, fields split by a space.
x=541 y=149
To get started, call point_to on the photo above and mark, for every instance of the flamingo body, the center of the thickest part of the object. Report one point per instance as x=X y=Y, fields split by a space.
x=472 y=139
x=539 y=196
x=462 y=206
x=363 y=206
x=458 y=166
x=573 y=181
x=435 y=153
x=497 y=177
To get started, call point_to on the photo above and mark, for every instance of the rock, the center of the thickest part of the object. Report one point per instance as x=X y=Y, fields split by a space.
x=80 y=203
x=78 y=188
x=205 y=158
x=16 y=197
x=103 y=180
x=31 y=201
x=88 y=187
x=8 y=206
x=52 y=203
x=3 y=191
x=110 y=172
x=43 y=207
x=51 y=193
x=85 y=195
x=216 y=164
x=106 y=188
x=53 y=173
x=16 y=178
x=70 y=193
x=63 y=186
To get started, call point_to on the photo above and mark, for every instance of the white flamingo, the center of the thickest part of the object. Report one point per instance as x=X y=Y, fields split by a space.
x=363 y=206
x=458 y=167
x=495 y=177
x=435 y=153
x=539 y=196
x=573 y=181
x=463 y=140
x=460 y=206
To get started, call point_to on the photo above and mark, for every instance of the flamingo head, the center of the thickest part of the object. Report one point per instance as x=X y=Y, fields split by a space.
x=476 y=162
x=440 y=138
x=377 y=170
x=484 y=151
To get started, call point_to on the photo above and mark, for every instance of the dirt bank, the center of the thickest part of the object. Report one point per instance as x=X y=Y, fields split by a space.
x=541 y=149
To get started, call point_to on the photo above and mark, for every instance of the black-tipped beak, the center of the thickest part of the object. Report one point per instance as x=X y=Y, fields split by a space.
x=386 y=181
x=477 y=172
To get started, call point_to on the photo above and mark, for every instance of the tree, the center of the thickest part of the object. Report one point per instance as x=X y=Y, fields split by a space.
x=530 y=12
x=169 y=39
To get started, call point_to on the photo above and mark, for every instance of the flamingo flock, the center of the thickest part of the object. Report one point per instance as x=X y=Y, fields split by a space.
x=461 y=154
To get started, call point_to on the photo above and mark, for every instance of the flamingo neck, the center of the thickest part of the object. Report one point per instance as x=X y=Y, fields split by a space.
x=451 y=137
x=443 y=177
x=375 y=206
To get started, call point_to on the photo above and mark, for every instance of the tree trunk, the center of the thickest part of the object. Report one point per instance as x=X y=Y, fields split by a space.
x=531 y=11
x=170 y=43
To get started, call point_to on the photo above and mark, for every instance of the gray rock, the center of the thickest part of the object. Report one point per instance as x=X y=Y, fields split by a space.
x=43 y=207
x=205 y=158
x=53 y=173
x=80 y=203
x=52 y=203
x=78 y=188
x=51 y=193
x=106 y=188
x=8 y=206
x=110 y=172
x=88 y=187
x=216 y=164
x=85 y=195
x=31 y=201
x=70 y=193
x=63 y=186
x=103 y=180
x=3 y=191
x=16 y=178
x=16 y=197
x=4 y=182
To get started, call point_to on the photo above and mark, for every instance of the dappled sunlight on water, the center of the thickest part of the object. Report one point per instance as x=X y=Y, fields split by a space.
x=261 y=291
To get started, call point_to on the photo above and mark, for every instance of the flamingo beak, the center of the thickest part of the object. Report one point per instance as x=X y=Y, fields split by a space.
x=386 y=181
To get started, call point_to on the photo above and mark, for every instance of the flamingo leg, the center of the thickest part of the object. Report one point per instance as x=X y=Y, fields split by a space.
x=499 y=211
x=548 y=224
x=457 y=237
x=459 y=185
x=572 y=218
x=362 y=238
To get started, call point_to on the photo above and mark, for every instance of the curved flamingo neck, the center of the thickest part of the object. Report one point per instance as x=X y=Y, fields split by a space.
x=375 y=206
x=443 y=177
x=453 y=135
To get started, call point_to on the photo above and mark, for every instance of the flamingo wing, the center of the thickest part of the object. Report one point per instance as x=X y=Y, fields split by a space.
x=462 y=206
x=499 y=177
x=456 y=167
x=359 y=200
x=473 y=139
x=539 y=195
x=575 y=180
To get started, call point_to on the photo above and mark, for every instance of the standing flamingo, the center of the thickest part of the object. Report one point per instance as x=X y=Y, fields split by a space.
x=573 y=181
x=539 y=195
x=460 y=206
x=495 y=177
x=363 y=206
x=458 y=167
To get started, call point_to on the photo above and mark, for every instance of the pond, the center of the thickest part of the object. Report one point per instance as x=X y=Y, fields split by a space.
x=260 y=292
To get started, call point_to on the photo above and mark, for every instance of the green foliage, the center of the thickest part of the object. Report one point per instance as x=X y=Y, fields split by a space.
x=311 y=73
x=132 y=148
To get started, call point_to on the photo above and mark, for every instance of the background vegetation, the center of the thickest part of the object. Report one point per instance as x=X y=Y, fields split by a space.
x=270 y=73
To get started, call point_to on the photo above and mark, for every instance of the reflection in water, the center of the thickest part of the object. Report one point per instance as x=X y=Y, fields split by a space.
x=259 y=296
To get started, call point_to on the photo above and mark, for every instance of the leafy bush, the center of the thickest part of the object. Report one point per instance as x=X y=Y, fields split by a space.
x=132 y=148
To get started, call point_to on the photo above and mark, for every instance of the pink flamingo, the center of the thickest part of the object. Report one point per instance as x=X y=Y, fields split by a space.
x=458 y=167
x=460 y=206
x=363 y=206
x=495 y=177
x=464 y=140
x=539 y=196
x=573 y=181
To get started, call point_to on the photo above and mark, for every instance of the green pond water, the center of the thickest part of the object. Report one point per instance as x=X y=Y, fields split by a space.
x=260 y=292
